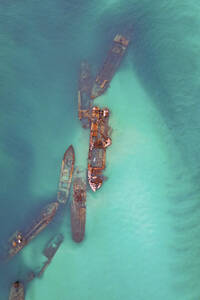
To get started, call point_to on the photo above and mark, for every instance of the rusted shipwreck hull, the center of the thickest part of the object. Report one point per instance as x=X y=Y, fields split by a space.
x=99 y=141
x=49 y=252
x=21 y=238
x=110 y=66
x=66 y=173
x=78 y=207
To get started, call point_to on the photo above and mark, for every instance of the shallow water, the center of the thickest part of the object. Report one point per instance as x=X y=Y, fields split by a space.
x=142 y=233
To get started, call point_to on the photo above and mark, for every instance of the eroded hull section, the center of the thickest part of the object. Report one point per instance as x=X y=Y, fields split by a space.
x=78 y=207
x=99 y=141
x=84 y=92
x=110 y=66
x=50 y=250
x=21 y=238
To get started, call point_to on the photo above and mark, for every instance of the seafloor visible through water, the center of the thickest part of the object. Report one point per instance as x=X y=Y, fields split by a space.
x=143 y=230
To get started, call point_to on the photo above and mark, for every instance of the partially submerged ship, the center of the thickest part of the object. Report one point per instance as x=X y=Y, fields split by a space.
x=66 y=173
x=78 y=207
x=110 y=66
x=84 y=91
x=21 y=238
x=17 y=291
x=99 y=141
x=50 y=250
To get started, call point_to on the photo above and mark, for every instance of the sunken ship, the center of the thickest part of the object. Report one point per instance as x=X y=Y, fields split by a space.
x=50 y=250
x=84 y=91
x=99 y=141
x=21 y=238
x=66 y=173
x=78 y=207
x=110 y=66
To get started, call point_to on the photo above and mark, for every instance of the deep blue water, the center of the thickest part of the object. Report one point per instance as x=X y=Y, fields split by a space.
x=41 y=46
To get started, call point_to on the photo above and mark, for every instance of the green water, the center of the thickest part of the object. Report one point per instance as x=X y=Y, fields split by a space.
x=142 y=231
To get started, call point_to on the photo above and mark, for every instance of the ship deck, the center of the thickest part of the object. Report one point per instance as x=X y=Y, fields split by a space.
x=78 y=208
x=110 y=66
x=99 y=141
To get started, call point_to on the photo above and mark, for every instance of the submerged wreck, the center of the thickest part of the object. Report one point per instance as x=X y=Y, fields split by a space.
x=84 y=91
x=66 y=173
x=50 y=250
x=110 y=66
x=17 y=291
x=78 y=207
x=99 y=141
x=20 y=239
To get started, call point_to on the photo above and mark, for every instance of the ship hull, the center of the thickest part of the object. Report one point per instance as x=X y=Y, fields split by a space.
x=66 y=174
x=78 y=209
x=17 y=291
x=110 y=66
x=99 y=141
x=20 y=239
x=84 y=91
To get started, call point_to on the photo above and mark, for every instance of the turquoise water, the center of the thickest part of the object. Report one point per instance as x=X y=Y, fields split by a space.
x=142 y=233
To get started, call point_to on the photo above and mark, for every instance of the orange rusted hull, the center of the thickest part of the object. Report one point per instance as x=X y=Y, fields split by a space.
x=99 y=141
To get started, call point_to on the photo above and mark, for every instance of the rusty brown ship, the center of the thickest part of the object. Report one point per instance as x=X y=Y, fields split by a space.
x=17 y=291
x=110 y=66
x=99 y=141
x=78 y=206
x=84 y=92
x=66 y=173
x=50 y=250
x=21 y=238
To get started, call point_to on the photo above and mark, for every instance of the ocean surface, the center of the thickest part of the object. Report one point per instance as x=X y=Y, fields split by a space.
x=143 y=226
